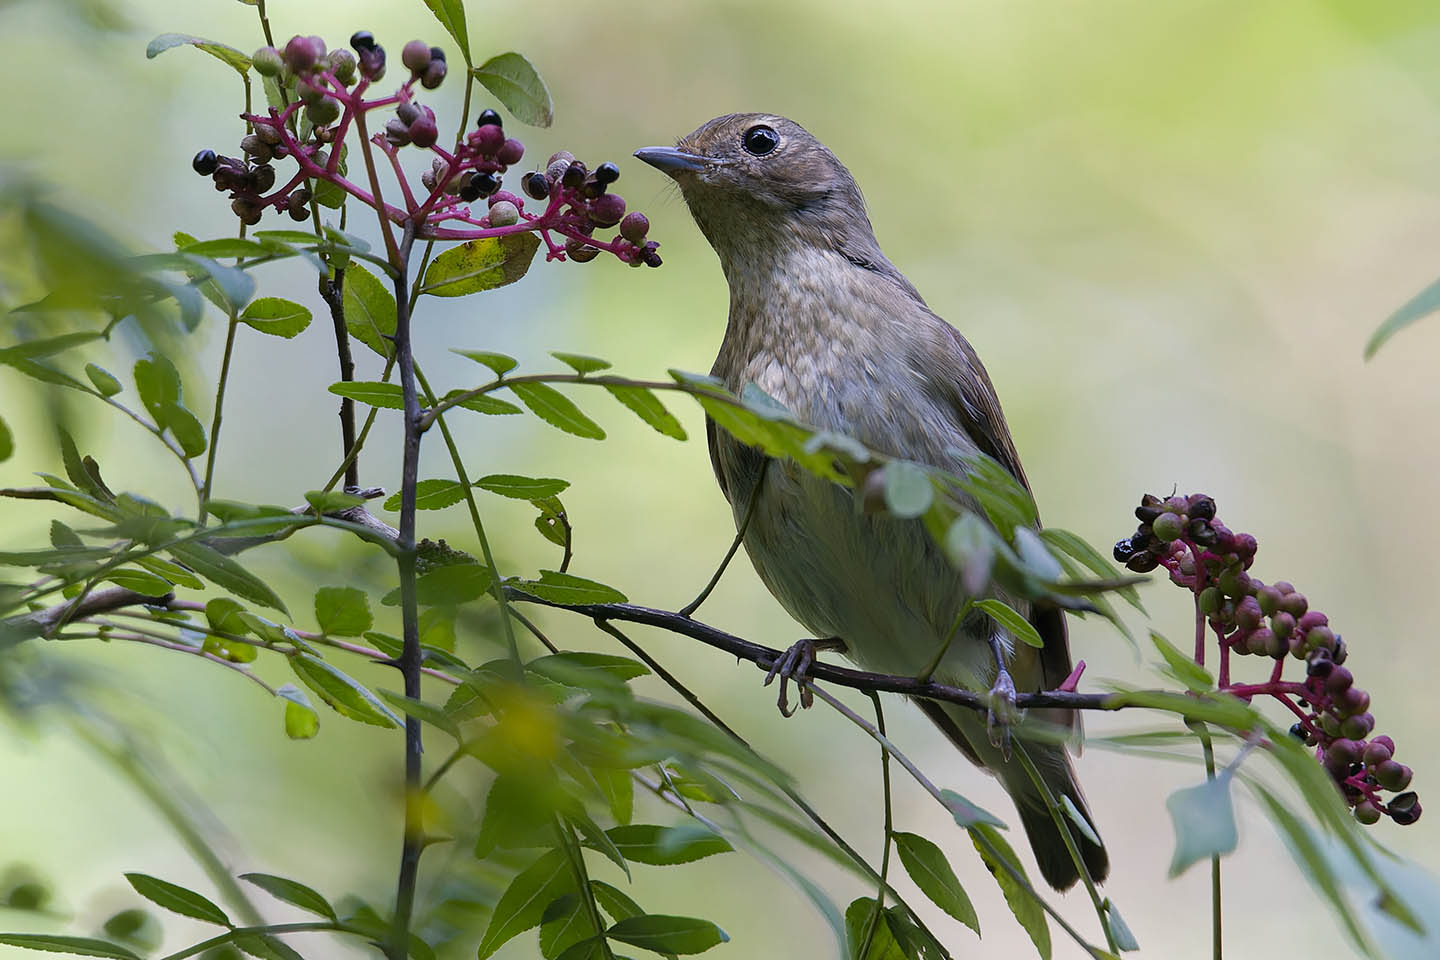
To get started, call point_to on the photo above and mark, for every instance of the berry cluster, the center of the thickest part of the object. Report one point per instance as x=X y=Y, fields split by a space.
x=1249 y=617
x=329 y=87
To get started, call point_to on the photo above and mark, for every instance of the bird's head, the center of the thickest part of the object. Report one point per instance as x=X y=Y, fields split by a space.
x=758 y=183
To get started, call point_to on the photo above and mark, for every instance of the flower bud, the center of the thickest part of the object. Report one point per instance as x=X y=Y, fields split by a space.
x=342 y=65
x=504 y=214
x=1338 y=680
x=634 y=227
x=1247 y=613
x=1352 y=700
x=1320 y=638
x=1209 y=600
x=267 y=61
x=510 y=152
x=1384 y=741
x=302 y=52
x=1177 y=504
x=1295 y=604
x=1283 y=624
x=1234 y=582
x=1359 y=726
x=1392 y=774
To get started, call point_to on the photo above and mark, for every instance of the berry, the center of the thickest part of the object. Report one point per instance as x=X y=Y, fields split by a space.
x=651 y=258
x=267 y=61
x=1319 y=665
x=503 y=214
x=372 y=63
x=536 y=185
x=323 y=112
x=247 y=210
x=416 y=56
x=1167 y=526
x=1123 y=550
x=1298 y=731
x=487 y=118
x=1150 y=507
x=342 y=65
x=1200 y=506
x=1202 y=533
x=574 y=176
x=1142 y=563
x=488 y=139
x=579 y=251
x=424 y=132
x=1283 y=624
x=302 y=52
x=408 y=112
x=510 y=152
x=634 y=227
x=487 y=183
x=362 y=40
x=1358 y=727
x=1352 y=700
x=1376 y=752
x=606 y=210
x=263 y=176
x=1392 y=774
x=434 y=75
x=1405 y=809
x=1339 y=680
x=397 y=132
x=205 y=162
x=607 y=173
x=468 y=191
x=1367 y=813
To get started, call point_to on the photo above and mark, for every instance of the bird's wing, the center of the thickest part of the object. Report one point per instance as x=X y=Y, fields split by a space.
x=977 y=409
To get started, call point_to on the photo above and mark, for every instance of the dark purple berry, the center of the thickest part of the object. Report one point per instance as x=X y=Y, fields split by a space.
x=1124 y=550
x=1201 y=506
x=510 y=152
x=574 y=177
x=486 y=183
x=434 y=75
x=634 y=227
x=579 y=251
x=487 y=118
x=607 y=210
x=607 y=173
x=1405 y=809
x=536 y=185
x=205 y=163
x=1150 y=507
x=362 y=40
x=488 y=139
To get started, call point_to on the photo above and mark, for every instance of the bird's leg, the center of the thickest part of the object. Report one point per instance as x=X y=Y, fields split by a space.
x=1002 y=710
x=794 y=664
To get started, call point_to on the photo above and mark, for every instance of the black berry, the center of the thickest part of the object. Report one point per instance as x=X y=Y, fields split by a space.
x=205 y=162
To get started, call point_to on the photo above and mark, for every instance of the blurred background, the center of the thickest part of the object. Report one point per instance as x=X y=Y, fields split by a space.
x=1167 y=228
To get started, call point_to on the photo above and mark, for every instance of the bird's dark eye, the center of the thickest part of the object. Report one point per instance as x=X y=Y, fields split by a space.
x=760 y=140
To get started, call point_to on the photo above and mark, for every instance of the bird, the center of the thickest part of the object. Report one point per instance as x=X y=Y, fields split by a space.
x=822 y=322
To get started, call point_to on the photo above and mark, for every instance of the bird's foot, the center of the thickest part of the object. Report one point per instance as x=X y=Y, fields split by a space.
x=794 y=664
x=1002 y=712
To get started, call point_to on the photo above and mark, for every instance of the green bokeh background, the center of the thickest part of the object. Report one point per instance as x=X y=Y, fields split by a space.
x=1167 y=227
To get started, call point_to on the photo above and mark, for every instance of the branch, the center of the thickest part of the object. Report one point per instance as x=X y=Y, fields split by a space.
x=42 y=622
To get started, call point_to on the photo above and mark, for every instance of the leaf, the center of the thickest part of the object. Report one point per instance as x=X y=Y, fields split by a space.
x=226 y=573
x=158 y=382
x=431 y=495
x=970 y=545
x=75 y=946
x=449 y=585
x=517 y=85
x=229 y=288
x=422 y=711
x=369 y=309
x=143 y=583
x=1035 y=556
x=276 y=316
x=177 y=899
x=102 y=379
x=292 y=892
x=522 y=488
x=374 y=393
x=176 y=574
x=222 y=52
x=451 y=14
x=482 y=264
x=1119 y=929
x=230 y=246
x=7 y=441
x=563 y=925
x=1421 y=305
x=927 y=866
x=573 y=668
x=1022 y=902
x=615 y=901
x=1078 y=818
x=597 y=839
x=666 y=846
x=883 y=945
x=498 y=362
x=301 y=720
x=662 y=934
x=1011 y=621
x=325 y=502
x=967 y=814
x=263 y=946
x=345 y=696
x=186 y=429
x=556 y=409
x=1204 y=818
x=619 y=791
x=908 y=490
x=1094 y=560
x=484 y=403
x=569 y=589
x=343 y=611
x=648 y=407
x=581 y=363
x=523 y=903
x=1182 y=668
x=34 y=349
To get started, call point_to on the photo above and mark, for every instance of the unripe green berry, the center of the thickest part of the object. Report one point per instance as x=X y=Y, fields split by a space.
x=504 y=214
x=1367 y=813
x=267 y=61
x=323 y=112
x=1168 y=527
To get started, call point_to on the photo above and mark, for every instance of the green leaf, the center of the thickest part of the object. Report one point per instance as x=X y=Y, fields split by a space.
x=1078 y=818
x=482 y=264
x=1071 y=544
x=449 y=585
x=184 y=426
x=970 y=546
x=596 y=839
x=1182 y=668
x=1204 y=818
x=222 y=52
x=1421 y=305
x=229 y=288
x=883 y=945
x=158 y=382
x=556 y=409
x=301 y=720
x=931 y=872
x=143 y=583
x=662 y=934
x=523 y=903
x=276 y=316
x=7 y=441
x=522 y=488
x=484 y=403
x=575 y=668
x=908 y=490
x=331 y=501
x=103 y=380
x=343 y=611
x=263 y=946
x=967 y=814
x=230 y=246
x=451 y=14
x=1022 y=902
x=422 y=711
x=431 y=495
x=1011 y=621
x=1119 y=929
x=1221 y=709
x=227 y=574
x=345 y=696
x=1035 y=557
x=666 y=846
x=373 y=392
x=292 y=892
x=177 y=899
x=517 y=85
x=619 y=791
x=176 y=574
x=369 y=309
x=648 y=407
x=581 y=363
x=569 y=589
x=614 y=901
x=34 y=349
x=498 y=362
x=75 y=946
x=563 y=925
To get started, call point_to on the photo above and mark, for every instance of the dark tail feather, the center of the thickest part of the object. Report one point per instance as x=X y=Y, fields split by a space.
x=1049 y=846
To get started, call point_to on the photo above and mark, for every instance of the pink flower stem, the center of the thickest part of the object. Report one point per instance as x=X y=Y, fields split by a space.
x=389 y=151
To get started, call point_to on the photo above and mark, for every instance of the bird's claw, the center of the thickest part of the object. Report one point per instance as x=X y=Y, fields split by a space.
x=1002 y=712
x=794 y=664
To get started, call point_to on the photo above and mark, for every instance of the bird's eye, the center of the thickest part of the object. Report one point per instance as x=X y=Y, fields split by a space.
x=760 y=140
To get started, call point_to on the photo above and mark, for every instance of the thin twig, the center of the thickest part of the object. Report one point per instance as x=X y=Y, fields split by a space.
x=874 y=923
x=689 y=609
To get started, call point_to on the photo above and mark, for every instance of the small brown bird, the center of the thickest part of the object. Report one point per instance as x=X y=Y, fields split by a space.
x=824 y=323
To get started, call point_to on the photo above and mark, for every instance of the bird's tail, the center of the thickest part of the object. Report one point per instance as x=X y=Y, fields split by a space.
x=966 y=729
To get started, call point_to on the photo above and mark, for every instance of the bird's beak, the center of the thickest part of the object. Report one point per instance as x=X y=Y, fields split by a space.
x=672 y=161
